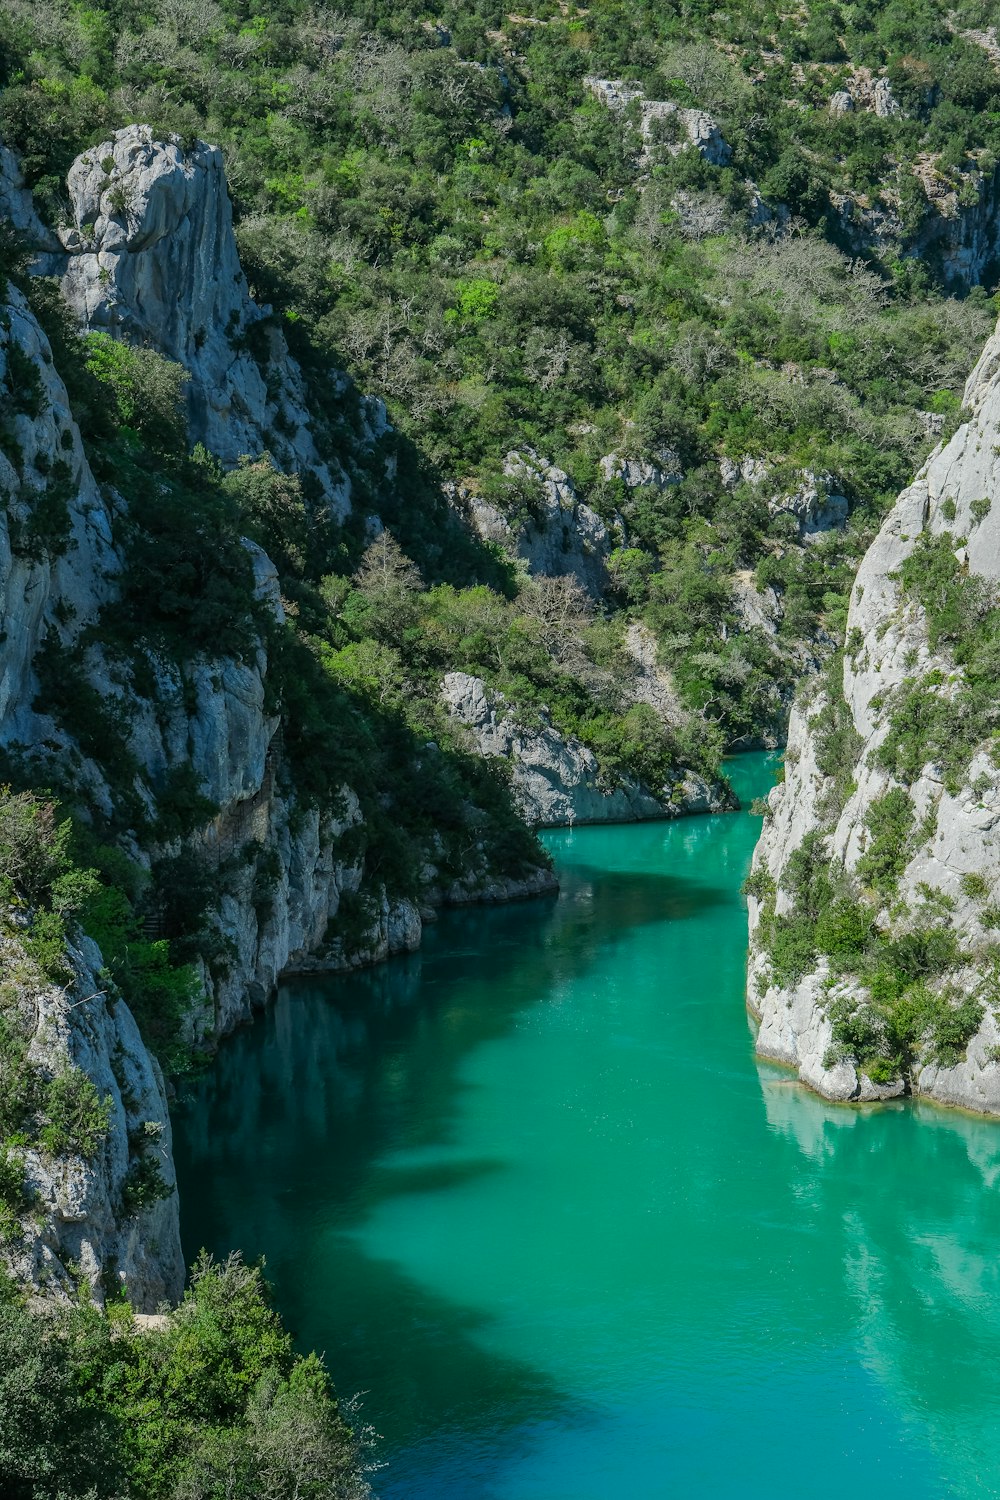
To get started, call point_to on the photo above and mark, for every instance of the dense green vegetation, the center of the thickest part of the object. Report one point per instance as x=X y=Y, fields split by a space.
x=435 y=200
x=213 y=1403
x=895 y=1009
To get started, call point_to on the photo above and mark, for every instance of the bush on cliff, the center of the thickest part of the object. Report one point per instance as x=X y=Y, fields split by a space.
x=213 y=1402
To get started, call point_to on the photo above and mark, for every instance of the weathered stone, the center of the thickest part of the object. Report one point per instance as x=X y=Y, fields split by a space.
x=564 y=536
x=557 y=779
x=151 y=257
x=695 y=126
x=956 y=842
x=639 y=473
x=884 y=101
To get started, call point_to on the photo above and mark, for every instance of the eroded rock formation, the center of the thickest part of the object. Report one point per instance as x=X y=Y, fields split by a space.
x=558 y=779
x=151 y=257
x=929 y=874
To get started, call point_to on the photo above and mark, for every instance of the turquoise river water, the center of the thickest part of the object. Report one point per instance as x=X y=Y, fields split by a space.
x=531 y=1192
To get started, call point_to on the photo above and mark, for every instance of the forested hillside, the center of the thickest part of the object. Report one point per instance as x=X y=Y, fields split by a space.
x=445 y=202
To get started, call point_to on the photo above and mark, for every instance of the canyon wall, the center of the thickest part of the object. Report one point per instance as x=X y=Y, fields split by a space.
x=891 y=799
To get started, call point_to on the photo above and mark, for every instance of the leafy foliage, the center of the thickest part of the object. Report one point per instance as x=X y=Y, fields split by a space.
x=447 y=211
x=891 y=1006
x=215 y=1402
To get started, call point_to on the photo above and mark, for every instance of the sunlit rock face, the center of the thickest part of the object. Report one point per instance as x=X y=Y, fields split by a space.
x=152 y=257
x=952 y=855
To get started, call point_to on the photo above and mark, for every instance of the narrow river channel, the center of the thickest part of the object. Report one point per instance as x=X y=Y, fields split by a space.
x=531 y=1192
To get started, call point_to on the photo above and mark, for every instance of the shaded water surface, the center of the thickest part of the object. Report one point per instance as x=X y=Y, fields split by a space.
x=530 y=1190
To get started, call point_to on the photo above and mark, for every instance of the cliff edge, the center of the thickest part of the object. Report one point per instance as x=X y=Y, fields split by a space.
x=874 y=963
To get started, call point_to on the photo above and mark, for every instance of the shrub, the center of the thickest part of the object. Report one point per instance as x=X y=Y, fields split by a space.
x=974 y=885
x=144 y=1185
x=889 y=821
x=76 y=1117
x=147 y=389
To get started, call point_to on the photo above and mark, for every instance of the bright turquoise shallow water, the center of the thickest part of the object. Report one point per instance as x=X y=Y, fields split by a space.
x=530 y=1190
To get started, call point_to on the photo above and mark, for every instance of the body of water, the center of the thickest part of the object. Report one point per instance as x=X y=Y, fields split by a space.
x=530 y=1190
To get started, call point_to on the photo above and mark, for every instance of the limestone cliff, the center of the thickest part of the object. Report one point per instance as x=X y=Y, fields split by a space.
x=558 y=780
x=88 y=1214
x=873 y=894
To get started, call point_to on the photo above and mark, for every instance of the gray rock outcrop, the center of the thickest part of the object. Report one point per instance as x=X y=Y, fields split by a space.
x=884 y=101
x=643 y=473
x=813 y=500
x=18 y=207
x=950 y=860
x=151 y=257
x=557 y=779
x=694 y=127
x=561 y=535
x=38 y=590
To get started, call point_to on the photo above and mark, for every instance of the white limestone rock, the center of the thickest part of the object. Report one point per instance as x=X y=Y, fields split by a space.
x=884 y=101
x=957 y=832
x=44 y=593
x=18 y=207
x=151 y=257
x=697 y=128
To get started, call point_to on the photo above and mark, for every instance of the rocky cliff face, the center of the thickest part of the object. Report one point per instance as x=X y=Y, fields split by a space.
x=880 y=854
x=151 y=257
x=212 y=718
x=558 y=780
x=85 y=1217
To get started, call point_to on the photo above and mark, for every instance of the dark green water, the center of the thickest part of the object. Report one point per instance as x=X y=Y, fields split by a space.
x=531 y=1192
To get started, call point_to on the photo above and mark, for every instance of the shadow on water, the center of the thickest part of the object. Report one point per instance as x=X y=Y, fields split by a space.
x=344 y=1079
x=278 y=1151
x=282 y=1150
x=300 y=1109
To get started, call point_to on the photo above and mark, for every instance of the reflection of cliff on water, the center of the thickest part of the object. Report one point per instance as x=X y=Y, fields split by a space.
x=319 y=1075
x=913 y=1189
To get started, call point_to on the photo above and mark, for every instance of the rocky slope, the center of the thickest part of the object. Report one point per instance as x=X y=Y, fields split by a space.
x=151 y=222
x=557 y=779
x=873 y=895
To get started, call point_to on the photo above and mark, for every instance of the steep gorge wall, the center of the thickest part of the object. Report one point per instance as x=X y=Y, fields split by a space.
x=152 y=256
x=944 y=858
